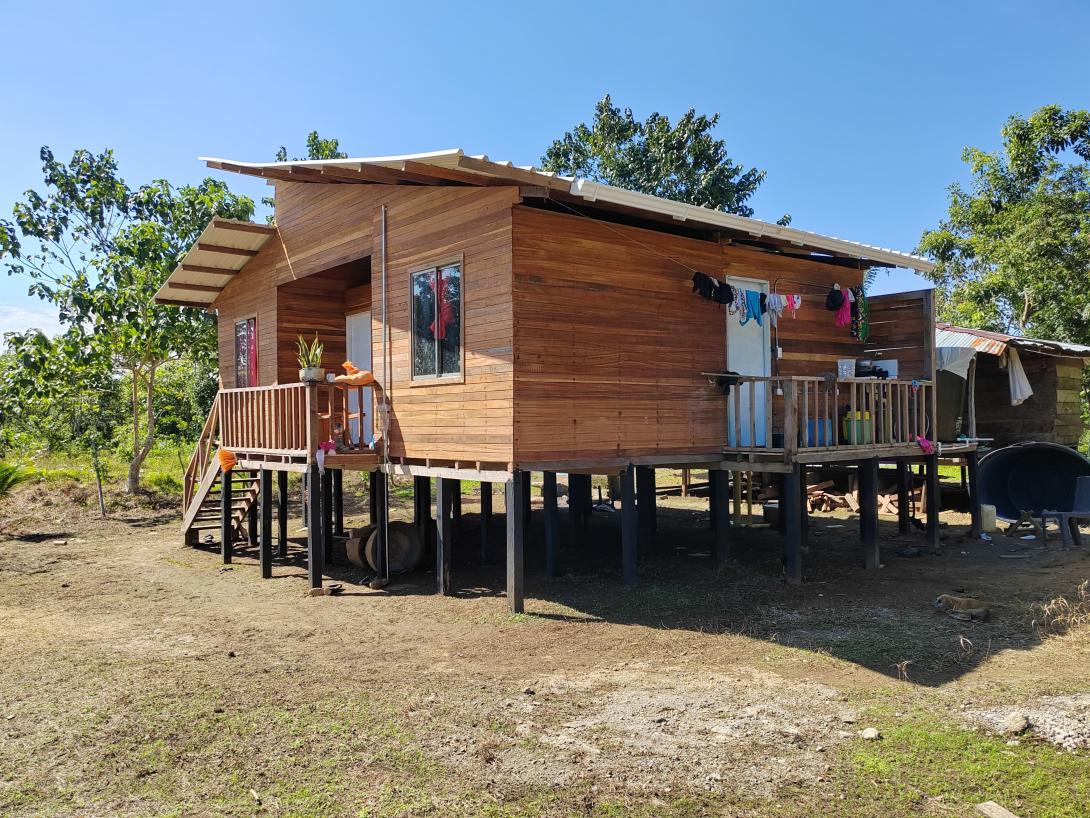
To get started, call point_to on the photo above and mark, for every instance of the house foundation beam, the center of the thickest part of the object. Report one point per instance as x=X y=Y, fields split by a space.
x=265 y=555
x=515 y=537
x=227 y=522
x=486 y=523
x=282 y=513
x=315 y=546
x=327 y=514
x=867 y=482
x=790 y=508
x=934 y=502
x=904 y=497
x=719 y=489
x=629 y=527
x=444 y=551
x=552 y=522
x=381 y=509
x=338 y=503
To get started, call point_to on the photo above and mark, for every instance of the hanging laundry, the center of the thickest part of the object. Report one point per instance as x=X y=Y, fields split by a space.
x=752 y=308
x=793 y=304
x=844 y=311
x=776 y=305
x=739 y=306
x=724 y=293
x=864 y=315
x=705 y=285
x=764 y=303
x=834 y=300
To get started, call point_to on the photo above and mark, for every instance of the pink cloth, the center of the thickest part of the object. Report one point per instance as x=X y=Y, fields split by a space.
x=926 y=446
x=844 y=314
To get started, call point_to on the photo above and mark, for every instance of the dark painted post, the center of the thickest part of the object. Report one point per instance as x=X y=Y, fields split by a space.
x=421 y=503
x=372 y=498
x=972 y=462
x=338 y=502
x=515 y=573
x=315 y=547
x=714 y=477
x=792 y=517
x=720 y=490
x=251 y=520
x=934 y=502
x=444 y=501
x=526 y=504
x=456 y=502
x=379 y=488
x=282 y=512
x=265 y=555
x=548 y=493
x=227 y=520
x=629 y=526
x=486 y=522
x=868 y=511
x=645 y=506
x=327 y=514
x=573 y=514
x=904 y=496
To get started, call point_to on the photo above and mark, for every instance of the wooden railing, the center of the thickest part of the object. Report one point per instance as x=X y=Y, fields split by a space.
x=790 y=413
x=202 y=454
x=290 y=419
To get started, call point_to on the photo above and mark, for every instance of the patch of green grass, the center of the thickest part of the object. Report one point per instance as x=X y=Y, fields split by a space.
x=920 y=759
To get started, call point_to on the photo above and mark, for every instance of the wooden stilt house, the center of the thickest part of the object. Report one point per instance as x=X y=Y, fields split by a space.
x=519 y=321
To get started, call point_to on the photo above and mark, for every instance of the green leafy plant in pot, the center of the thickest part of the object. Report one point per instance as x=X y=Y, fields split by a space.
x=310 y=359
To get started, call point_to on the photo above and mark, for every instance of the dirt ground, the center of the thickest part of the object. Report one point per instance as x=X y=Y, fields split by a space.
x=139 y=677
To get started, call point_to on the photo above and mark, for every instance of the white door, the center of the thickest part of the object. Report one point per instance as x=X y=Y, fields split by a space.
x=358 y=326
x=748 y=353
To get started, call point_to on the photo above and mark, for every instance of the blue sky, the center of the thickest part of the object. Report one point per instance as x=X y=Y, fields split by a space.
x=857 y=111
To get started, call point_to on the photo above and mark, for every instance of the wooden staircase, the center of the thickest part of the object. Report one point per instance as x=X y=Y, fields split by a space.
x=203 y=487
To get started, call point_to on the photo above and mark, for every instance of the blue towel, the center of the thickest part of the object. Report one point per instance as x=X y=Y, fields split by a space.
x=753 y=308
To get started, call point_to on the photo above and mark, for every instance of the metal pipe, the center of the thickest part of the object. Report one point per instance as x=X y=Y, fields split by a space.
x=386 y=375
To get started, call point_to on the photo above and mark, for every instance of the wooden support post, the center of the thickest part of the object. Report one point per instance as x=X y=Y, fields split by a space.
x=444 y=503
x=792 y=515
x=315 y=547
x=251 y=520
x=868 y=511
x=548 y=493
x=486 y=522
x=904 y=497
x=227 y=520
x=515 y=564
x=372 y=499
x=282 y=513
x=456 y=502
x=804 y=507
x=934 y=502
x=645 y=507
x=720 y=490
x=685 y=480
x=327 y=514
x=714 y=477
x=338 y=503
x=422 y=503
x=379 y=488
x=736 y=495
x=972 y=463
x=265 y=555
x=629 y=526
x=527 y=506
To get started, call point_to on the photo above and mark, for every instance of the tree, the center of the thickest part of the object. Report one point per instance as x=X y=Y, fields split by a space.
x=1013 y=253
x=317 y=148
x=683 y=162
x=99 y=250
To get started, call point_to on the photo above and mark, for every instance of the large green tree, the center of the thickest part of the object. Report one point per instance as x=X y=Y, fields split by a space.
x=684 y=161
x=1013 y=253
x=98 y=250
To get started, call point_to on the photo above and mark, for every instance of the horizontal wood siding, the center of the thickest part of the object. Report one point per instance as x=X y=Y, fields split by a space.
x=902 y=328
x=469 y=421
x=1053 y=413
x=251 y=293
x=610 y=342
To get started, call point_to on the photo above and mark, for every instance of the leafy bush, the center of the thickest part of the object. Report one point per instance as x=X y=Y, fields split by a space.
x=11 y=475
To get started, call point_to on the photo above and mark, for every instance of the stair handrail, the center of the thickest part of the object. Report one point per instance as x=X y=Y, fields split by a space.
x=202 y=453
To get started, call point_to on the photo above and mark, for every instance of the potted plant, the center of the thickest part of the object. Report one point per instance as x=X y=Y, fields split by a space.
x=310 y=359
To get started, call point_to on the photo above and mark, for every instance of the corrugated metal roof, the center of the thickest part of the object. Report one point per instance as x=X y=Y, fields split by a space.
x=996 y=343
x=456 y=161
x=223 y=248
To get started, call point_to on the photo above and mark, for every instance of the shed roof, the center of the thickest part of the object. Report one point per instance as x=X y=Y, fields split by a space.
x=222 y=249
x=996 y=343
x=454 y=166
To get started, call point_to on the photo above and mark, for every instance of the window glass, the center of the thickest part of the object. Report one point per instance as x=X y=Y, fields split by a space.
x=246 y=353
x=423 y=293
x=437 y=322
x=450 y=320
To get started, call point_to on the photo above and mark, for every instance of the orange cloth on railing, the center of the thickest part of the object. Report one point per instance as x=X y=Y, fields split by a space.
x=355 y=376
x=227 y=459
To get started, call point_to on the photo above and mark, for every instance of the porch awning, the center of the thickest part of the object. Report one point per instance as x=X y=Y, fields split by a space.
x=221 y=251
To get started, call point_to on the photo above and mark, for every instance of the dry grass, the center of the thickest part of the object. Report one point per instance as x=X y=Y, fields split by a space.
x=1060 y=614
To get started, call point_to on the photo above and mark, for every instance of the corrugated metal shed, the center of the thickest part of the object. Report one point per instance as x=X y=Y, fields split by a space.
x=996 y=343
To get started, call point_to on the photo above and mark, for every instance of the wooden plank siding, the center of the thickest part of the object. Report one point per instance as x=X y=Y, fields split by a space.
x=902 y=328
x=469 y=420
